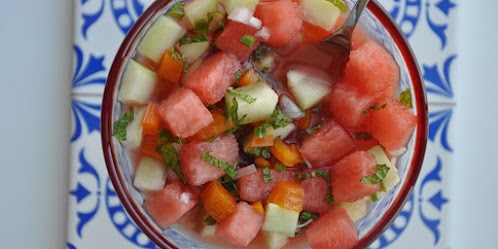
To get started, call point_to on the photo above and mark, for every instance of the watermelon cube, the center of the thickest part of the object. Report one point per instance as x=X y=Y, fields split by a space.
x=171 y=203
x=283 y=18
x=241 y=227
x=327 y=145
x=372 y=70
x=229 y=40
x=213 y=77
x=253 y=188
x=315 y=191
x=346 y=174
x=334 y=230
x=393 y=125
x=347 y=105
x=196 y=170
x=183 y=113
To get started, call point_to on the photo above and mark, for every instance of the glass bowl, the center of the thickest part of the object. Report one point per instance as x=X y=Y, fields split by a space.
x=381 y=213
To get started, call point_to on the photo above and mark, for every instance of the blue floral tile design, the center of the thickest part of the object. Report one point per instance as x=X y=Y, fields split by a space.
x=97 y=219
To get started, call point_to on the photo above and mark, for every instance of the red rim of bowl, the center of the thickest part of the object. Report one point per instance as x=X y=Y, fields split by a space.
x=134 y=210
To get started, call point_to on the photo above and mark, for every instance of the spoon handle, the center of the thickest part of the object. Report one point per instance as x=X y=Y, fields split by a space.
x=345 y=32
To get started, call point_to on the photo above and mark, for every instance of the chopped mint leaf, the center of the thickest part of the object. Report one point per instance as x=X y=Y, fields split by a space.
x=229 y=168
x=374 y=197
x=201 y=26
x=280 y=167
x=221 y=24
x=260 y=151
x=305 y=216
x=238 y=74
x=209 y=221
x=170 y=157
x=374 y=108
x=119 y=129
x=276 y=120
x=232 y=113
x=314 y=129
x=329 y=198
x=248 y=40
x=266 y=174
x=230 y=185
x=315 y=173
x=244 y=96
x=177 y=11
x=406 y=98
x=211 y=139
x=179 y=56
x=193 y=39
x=339 y=4
x=259 y=52
x=363 y=136
x=214 y=107
x=378 y=176
x=164 y=136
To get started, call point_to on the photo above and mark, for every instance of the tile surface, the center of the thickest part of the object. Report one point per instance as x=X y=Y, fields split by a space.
x=96 y=218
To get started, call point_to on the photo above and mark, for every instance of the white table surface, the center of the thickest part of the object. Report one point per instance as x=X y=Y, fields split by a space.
x=36 y=49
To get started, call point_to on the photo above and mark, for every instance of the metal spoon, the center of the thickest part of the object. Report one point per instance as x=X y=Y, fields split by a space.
x=338 y=44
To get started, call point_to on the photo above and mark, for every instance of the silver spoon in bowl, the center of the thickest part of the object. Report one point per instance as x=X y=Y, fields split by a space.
x=338 y=44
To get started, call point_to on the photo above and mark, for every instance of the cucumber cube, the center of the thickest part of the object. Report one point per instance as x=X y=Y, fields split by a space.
x=275 y=240
x=320 y=13
x=193 y=51
x=392 y=178
x=356 y=210
x=137 y=84
x=307 y=89
x=150 y=175
x=197 y=10
x=230 y=5
x=260 y=109
x=280 y=220
x=162 y=35
x=134 y=129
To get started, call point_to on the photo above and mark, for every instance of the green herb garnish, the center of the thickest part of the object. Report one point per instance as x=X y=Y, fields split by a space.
x=193 y=39
x=280 y=167
x=378 y=176
x=329 y=198
x=164 y=136
x=266 y=174
x=406 y=98
x=119 y=129
x=170 y=156
x=209 y=221
x=244 y=96
x=305 y=216
x=230 y=185
x=374 y=108
x=231 y=113
x=179 y=56
x=259 y=52
x=229 y=168
x=238 y=74
x=211 y=139
x=315 y=128
x=374 y=197
x=201 y=26
x=177 y=11
x=248 y=40
x=276 y=120
x=260 y=151
x=315 y=173
x=363 y=136
x=339 y=4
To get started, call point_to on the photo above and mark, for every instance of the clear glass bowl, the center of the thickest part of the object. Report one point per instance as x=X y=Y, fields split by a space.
x=381 y=213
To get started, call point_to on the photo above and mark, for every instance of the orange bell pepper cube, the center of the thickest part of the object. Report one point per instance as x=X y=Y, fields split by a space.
x=288 y=154
x=218 y=126
x=260 y=141
x=151 y=123
x=262 y=162
x=259 y=207
x=288 y=195
x=149 y=145
x=249 y=77
x=171 y=67
x=217 y=201
x=304 y=122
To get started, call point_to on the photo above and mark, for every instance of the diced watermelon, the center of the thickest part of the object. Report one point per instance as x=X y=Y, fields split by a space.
x=283 y=18
x=327 y=145
x=213 y=77
x=171 y=203
x=253 y=188
x=334 y=230
x=347 y=106
x=229 y=40
x=315 y=191
x=346 y=174
x=196 y=170
x=314 y=34
x=372 y=70
x=241 y=227
x=183 y=113
x=393 y=125
x=365 y=144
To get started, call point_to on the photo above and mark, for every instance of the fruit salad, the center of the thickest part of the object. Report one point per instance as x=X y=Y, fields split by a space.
x=239 y=132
